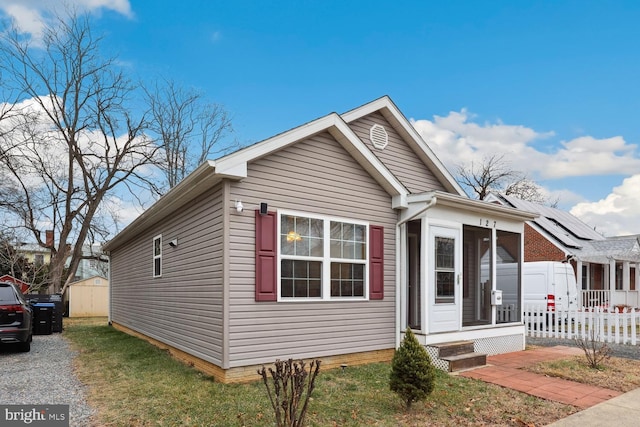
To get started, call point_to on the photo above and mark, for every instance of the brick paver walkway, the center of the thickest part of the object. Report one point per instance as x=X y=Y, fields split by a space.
x=504 y=370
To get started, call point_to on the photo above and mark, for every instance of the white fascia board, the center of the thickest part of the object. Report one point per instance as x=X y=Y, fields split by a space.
x=195 y=183
x=238 y=161
x=391 y=112
x=399 y=201
x=464 y=203
x=235 y=165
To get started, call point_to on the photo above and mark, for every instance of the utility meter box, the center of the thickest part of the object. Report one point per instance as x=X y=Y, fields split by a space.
x=496 y=297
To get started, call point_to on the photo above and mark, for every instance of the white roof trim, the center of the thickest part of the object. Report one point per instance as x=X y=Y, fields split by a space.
x=472 y=205
x=235 y=164
x=197 y=182
x=400 y=123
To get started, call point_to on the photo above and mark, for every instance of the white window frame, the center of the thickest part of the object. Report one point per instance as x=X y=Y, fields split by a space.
x=326 y=259
x=159 y=256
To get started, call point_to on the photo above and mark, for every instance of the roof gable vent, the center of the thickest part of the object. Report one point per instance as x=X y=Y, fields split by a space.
x=378 y=136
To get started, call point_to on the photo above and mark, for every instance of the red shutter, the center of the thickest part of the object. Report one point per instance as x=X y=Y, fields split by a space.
x=376 y=262
x=266 y=257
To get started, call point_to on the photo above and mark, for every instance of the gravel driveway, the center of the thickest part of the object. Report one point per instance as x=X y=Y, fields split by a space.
x=44 y=376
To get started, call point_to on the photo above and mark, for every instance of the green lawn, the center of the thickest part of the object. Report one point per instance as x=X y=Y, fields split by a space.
x=133 y=383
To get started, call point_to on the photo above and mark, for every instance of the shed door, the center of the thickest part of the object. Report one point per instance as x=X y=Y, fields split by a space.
x=444 y=268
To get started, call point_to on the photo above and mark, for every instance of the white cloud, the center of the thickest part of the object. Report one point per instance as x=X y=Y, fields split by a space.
x=590 y=156
x=456 y=139
x=31 y=16
x=616 y=214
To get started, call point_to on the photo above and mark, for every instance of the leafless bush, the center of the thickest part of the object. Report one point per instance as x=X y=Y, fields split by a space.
x=597 y=352
x=292 y=385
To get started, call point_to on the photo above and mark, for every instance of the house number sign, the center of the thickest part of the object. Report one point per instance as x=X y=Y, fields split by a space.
x=488 y=223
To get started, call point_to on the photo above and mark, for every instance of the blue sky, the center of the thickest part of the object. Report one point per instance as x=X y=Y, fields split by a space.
x=551 y=84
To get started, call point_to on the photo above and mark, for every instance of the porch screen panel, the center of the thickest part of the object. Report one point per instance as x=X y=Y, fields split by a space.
x=508 y=267
x=477 y=285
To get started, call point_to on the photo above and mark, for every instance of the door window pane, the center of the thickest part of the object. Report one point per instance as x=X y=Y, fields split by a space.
x=445 y=286
x=445 y=270
x=444 y=252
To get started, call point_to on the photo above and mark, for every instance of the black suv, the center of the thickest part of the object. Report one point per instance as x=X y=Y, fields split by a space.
x=16 y=317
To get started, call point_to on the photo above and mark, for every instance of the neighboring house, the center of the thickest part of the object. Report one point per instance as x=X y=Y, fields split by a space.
x=89 y=266
x=34 y=253
x=325 y=241
x=607 y=268
x=24 y=286
x=92 y=264
x=88 y=297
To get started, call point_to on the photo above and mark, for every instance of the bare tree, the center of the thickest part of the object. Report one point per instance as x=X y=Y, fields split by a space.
x=188 y=130
x=68 y=138
x=495 y=174
x=491 y=175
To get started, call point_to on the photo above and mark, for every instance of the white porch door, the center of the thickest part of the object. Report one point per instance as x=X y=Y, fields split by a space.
x=444 y=262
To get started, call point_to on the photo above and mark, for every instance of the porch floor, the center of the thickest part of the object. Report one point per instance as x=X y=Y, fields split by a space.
x=504 y=370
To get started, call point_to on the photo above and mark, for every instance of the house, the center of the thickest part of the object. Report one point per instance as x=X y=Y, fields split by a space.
x=24 y=286
x=88 y=297
x=325 y=241
x=607 y=268
x=34 y=253
x=91 y=264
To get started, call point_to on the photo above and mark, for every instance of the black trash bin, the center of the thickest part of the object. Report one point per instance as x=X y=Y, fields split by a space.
x=43 y=318
x=58 y=311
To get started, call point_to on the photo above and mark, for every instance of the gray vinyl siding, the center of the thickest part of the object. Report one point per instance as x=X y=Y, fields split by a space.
x=397 y=156
x=315 y=176
x=183 y=307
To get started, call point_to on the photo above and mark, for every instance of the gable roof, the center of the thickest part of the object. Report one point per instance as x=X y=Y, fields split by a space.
x=572 y=235
x=234 y=166
x=394 y=116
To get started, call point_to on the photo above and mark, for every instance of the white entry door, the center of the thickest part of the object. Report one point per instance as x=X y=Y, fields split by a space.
x=444 y=281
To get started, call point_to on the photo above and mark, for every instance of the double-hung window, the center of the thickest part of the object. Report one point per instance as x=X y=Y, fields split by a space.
x=157 y=256
x=322 y=258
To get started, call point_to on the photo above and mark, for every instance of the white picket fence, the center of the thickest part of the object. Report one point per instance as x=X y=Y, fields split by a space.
x=588 y=323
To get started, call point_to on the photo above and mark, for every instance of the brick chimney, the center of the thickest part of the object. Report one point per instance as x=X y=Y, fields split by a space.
x=49 y=238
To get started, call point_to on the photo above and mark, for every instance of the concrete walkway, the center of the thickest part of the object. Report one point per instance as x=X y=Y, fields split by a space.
x=621 y=411
x=505 y=370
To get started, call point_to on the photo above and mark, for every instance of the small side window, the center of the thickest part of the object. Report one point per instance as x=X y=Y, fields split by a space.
x=157 y=256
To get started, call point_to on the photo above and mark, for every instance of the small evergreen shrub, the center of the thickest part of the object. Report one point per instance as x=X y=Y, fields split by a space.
x=412 y=373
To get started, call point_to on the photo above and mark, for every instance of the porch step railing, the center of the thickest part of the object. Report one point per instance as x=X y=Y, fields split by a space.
x=615 y=325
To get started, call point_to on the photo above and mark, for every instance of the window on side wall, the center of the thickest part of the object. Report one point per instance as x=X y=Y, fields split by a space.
x=322 y=258
x=157 y=256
